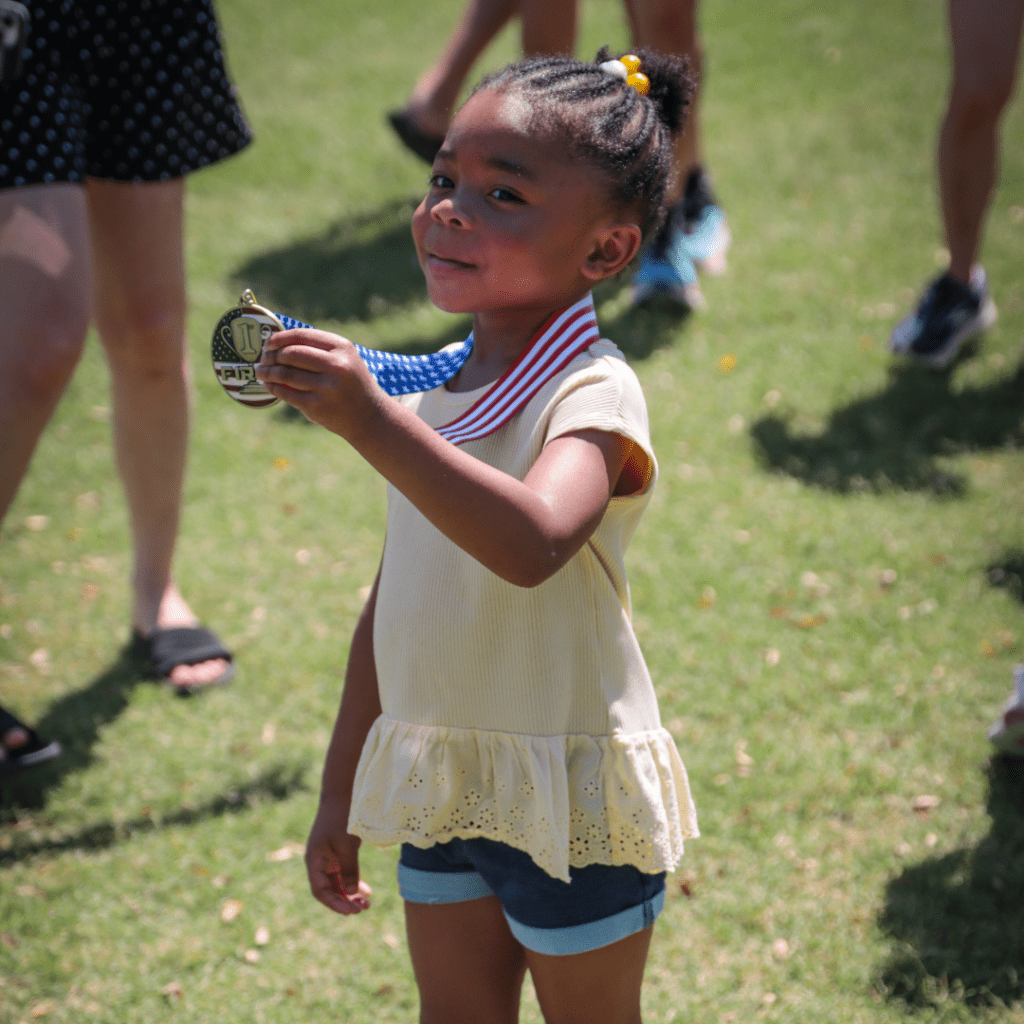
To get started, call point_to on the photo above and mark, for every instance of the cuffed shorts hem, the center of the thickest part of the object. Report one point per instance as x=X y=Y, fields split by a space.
x=582 y=938
x=440 y=886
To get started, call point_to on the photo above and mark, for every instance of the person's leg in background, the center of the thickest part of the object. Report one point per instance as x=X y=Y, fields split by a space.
x=140 y=305
x=985 y=38
x=45 y=294
x=695 y=236
x=548 y=26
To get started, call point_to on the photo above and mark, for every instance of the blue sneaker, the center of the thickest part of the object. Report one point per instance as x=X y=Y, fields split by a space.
x=948 y=313
x=703 y=224
x=666 y=274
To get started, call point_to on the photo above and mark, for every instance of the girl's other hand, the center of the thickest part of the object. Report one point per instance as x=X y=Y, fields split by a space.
x=332 y=862
x=322 y=375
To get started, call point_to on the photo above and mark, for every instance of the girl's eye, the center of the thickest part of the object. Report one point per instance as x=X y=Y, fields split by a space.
x=503 y=195
x=440 y=181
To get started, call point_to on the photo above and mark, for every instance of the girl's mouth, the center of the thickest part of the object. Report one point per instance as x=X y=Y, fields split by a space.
x=448 y=261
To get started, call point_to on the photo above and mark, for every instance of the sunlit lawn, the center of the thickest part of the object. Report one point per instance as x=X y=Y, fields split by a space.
x=828 y=585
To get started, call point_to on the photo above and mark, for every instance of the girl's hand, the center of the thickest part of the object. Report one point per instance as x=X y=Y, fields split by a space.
x=322 y=375
x=332 y=862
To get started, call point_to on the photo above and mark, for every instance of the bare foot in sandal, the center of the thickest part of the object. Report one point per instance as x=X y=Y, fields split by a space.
x=185 y=674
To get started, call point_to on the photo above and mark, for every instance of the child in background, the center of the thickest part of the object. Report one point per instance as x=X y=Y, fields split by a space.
x=498 y=719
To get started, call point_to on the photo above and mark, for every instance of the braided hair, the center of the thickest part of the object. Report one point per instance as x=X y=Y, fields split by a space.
x=606 y=123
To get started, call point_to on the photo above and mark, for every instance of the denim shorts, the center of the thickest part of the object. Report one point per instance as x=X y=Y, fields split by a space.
x=601 y=905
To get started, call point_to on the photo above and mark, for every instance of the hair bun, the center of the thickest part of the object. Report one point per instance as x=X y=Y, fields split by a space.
x=672 y=83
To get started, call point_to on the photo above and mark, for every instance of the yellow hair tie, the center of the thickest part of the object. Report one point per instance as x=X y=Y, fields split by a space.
x=639 y=81
x=627 y=68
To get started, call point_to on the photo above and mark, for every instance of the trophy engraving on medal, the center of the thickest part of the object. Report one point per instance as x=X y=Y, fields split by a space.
x=238 y=341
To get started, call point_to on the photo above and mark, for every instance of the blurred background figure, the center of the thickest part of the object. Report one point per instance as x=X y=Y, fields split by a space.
x=695 y=235
x=1007 y=732
x=985 y=36
x=106 y=111
x=548 y=27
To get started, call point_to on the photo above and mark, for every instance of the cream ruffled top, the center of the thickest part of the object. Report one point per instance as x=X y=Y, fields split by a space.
x=523 y=715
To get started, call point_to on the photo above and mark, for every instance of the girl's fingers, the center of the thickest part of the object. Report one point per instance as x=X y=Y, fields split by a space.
x=287 y=376
x=338 y=893
x=302 y=336
x=300 y=356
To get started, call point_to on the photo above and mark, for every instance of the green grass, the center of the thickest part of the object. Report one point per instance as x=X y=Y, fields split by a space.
x=827 y=585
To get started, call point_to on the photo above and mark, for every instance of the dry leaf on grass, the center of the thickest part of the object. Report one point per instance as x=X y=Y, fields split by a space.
x=172 y=990
x=230 y=910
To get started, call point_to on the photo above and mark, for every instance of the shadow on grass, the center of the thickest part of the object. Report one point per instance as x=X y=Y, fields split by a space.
x=1007 y=573
x=75 y=720
x=893 y=439
x=958 y=920
x=355 y=269
x=639 y=332
x=276 y=784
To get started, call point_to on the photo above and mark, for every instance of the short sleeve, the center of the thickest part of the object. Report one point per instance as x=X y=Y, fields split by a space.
x=604 y=396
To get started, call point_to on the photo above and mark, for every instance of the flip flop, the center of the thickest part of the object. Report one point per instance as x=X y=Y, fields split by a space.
x=424 y=145
x=35 y=751
x=1009 y=739
x=166 y=649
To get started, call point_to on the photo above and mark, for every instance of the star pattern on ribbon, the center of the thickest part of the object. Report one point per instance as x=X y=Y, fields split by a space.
x=563 y=336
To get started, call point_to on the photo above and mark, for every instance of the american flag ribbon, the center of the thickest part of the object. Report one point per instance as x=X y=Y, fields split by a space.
x=562 y=337
x=559 y=341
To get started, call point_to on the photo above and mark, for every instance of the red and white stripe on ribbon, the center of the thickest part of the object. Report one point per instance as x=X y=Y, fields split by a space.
x=558 y=342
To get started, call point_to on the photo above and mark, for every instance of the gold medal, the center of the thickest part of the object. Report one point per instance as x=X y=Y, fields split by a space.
x=237 y=345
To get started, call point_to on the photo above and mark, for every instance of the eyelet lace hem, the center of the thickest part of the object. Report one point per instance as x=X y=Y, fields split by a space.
x=564 y=800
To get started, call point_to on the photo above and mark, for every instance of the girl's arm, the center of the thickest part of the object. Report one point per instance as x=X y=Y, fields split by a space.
x=524 y=531
x=332 y=854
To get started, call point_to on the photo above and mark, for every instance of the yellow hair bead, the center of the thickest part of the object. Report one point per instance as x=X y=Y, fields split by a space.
x=639 y=81
x=632 y=62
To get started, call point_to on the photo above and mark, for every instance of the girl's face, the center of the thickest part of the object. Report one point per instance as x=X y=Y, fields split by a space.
x=509 y=222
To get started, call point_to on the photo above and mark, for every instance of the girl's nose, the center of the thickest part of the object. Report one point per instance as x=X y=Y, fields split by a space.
x=447 y=213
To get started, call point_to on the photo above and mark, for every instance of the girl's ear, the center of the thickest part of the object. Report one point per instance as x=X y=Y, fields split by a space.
x=614 y=247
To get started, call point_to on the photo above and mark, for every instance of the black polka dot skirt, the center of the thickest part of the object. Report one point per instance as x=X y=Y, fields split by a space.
x=131 y=90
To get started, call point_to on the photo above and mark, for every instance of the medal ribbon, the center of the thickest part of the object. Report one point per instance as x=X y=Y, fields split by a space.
x=563 y=336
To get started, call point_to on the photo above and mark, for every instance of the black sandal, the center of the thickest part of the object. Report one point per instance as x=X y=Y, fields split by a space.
x=425 y=146
x=35 y=751
x=165 y=649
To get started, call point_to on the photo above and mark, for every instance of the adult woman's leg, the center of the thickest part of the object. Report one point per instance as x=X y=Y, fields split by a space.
x=45 y=291
x=469 y=968
x=45 y=294
x=140 y=313
x=601 y=986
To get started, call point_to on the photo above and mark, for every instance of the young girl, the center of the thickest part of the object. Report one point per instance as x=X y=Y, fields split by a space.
x=497 y=718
